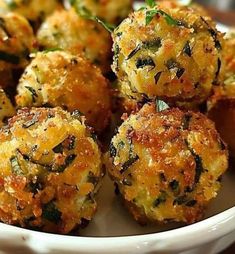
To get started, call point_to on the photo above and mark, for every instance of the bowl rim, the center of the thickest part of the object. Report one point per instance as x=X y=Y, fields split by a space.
x=199 y=233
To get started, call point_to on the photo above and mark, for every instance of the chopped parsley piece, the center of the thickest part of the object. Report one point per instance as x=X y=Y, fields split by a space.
x=157 y=77
x=187 y=49
x=86 y=14
x=160 y=200
x=143 y=62
x=151 y=13
x=174 y=185
x=129 y=163
x=15 y=166
x=161 y=105
x=150 y=3
x=51 y=213
x=33 y=93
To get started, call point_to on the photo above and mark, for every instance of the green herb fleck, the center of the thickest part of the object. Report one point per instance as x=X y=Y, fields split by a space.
x=180 y=200
x=191 y=203
x=129 y=163
x=186 y=121
x=174 y=185
x=161 y=105
x=160 y=200
x=157 y=77
x=112 y=150
x=33 y=93
x=10 y=58
x=15 y=166
x=60 y=168
x=180 y=72
x=12 y=5
x=171 y=64
x=187 y=49
x=58 y=149
x=150 y=3
x=151 y=13
x=143 y=62
x=86 y=14
x=133 y=52
x=199 y=167
x=51 y=213
x=154 y=44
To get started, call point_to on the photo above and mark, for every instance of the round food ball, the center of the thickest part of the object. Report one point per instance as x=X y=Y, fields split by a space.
x=167 y=165
x=222 y=112
x=58 y=78
x=33 y=10
x=50 y=168
x=17 y=41
x=221 y=106
x=111 y=11
x=170 y=53
x=67 y=30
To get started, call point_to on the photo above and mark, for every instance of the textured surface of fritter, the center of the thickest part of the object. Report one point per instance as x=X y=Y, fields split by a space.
x=50 y=168
x=6 y=107
x=167 y=165
x=111 y=11
x=16 y=41
x=33 y=10
x=67 y=30
x=58 y=78
x=170 y=53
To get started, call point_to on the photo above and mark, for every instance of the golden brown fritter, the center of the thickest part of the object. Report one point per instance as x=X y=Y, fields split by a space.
x=17 y=41
x=221 y=106
x=50 y=168
x=6 y=107
x=33 y=10
x=111 y=11
x=169 y=53
x=58 y=78
x=222 y=112
x=68 y=31
x=167 y=165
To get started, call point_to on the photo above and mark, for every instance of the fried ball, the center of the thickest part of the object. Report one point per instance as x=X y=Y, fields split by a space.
x=6 y=107
x=111 y=11
x=58 y=78
x=222 y=112
x=50 y=168
x=33 y=10
x=169 y=53
x=167 y=165
x=16 y=42
x=68 y=31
